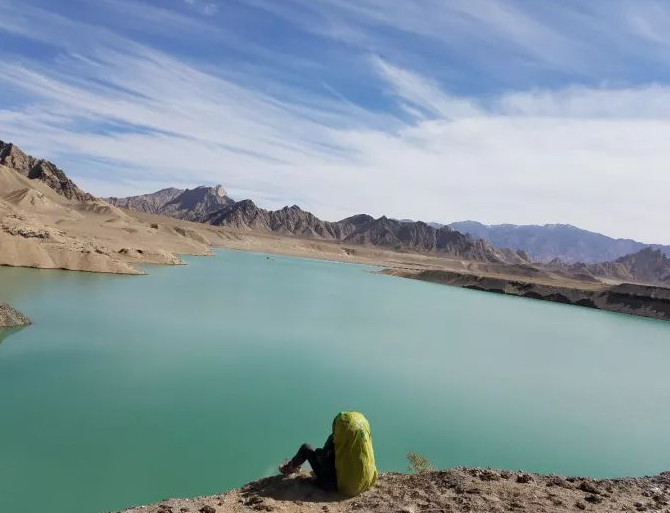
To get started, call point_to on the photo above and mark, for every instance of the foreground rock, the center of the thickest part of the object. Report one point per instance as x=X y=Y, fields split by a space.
x=642 y=300
x=471 y=490
x=11 y=318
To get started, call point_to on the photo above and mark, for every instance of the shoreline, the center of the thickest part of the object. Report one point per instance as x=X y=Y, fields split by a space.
x=632 y=299
x=475 y=490
x=110 y=240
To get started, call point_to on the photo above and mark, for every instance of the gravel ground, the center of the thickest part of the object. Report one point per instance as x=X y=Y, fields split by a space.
x=456 y=490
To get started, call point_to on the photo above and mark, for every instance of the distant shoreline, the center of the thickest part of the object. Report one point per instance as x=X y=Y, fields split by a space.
x=632 y=299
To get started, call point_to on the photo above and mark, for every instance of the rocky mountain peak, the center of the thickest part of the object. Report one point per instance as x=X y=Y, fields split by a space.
x=197 y=204
x=219 y=191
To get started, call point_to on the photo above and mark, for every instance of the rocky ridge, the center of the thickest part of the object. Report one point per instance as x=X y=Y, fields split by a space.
x=648 y=265
x=196 y=204
x=642 y=300
x=43 y=170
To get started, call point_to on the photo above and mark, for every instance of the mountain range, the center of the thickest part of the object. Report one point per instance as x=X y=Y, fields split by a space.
x=648 y=265
x=556 y=248
x=213 y=206
x=544 y=243
x=562 y=249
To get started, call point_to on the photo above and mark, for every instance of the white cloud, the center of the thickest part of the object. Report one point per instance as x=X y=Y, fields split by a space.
x=204 y=7
x=124 y=118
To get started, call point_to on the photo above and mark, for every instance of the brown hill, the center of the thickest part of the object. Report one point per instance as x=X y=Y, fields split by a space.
x=46 y=221
x=43 y=170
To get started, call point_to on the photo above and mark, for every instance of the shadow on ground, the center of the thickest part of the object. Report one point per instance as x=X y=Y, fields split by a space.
x=301 y=487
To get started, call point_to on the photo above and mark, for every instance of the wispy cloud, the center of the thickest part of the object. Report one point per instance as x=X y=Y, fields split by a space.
x=204 y=7
x=123 y=116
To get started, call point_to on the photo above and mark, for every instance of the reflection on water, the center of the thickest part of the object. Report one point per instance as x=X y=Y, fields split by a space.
x=8 y=332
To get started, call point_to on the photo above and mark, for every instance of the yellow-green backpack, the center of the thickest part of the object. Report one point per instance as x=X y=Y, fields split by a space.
x=354 y=456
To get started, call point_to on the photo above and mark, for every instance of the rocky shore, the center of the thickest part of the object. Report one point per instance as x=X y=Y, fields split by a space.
x=642 y=300
x=11 y=318
x=457 y=490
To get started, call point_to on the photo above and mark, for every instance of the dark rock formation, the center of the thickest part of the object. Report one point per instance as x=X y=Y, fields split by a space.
x=150 y=203
x=10 y=317
x=191 y=204
x=43 y=170
x=642 y=300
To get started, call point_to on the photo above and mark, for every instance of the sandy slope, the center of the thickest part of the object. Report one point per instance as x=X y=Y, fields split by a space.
x=39 y=228
x=457 y=490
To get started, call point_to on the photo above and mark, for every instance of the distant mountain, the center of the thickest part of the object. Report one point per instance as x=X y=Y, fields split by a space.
x=190 y=204
x=40 y=169
x=149 y=203
x=645 y=266
x=550 y=241
x=212 y=205
x=433 y=224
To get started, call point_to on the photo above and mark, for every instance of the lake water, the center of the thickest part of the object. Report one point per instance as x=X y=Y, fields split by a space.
x=199 y=378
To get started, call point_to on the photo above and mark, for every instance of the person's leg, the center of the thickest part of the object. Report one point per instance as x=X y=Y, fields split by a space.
x=305 y=453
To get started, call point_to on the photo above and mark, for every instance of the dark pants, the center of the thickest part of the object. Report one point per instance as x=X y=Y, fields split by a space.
x=322 y=463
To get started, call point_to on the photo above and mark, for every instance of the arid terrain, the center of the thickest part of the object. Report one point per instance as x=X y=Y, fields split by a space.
x=456 y=490
x=47 y=222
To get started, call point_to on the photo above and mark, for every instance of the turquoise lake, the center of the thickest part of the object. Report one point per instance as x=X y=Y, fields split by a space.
x=198 y=378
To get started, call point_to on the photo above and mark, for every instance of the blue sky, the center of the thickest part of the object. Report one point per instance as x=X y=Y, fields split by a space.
x=495 y=110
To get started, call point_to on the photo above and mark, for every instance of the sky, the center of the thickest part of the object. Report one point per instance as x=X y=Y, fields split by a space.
x=501 y=111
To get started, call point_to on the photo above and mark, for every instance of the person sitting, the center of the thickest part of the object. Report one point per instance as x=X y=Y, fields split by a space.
x=346 y=462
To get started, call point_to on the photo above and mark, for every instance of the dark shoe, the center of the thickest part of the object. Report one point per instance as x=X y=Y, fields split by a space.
x=287 y=468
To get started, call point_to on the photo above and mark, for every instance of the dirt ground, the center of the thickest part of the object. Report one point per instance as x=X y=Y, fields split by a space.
x=455 y=490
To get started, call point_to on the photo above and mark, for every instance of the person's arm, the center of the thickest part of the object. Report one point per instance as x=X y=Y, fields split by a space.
x=329 y=445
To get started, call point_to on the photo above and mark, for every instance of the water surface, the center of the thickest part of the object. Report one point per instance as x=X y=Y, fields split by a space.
x=196 y=379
